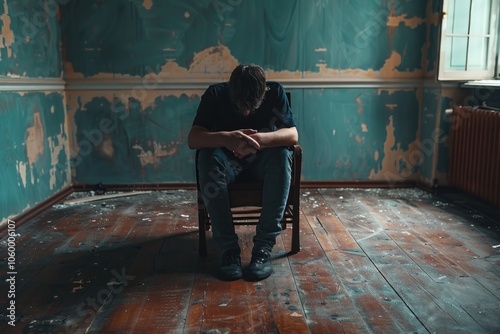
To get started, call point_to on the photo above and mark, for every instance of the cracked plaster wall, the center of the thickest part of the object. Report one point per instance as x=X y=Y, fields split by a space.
x=347 y=134
x=35 y=152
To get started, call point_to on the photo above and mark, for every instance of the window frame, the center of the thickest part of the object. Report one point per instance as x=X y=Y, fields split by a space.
x=493 y=67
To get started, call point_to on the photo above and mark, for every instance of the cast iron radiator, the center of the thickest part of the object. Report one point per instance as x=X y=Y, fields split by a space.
x=475 y=153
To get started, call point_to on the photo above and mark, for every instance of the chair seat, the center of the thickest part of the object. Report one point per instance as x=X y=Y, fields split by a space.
x=245 y=194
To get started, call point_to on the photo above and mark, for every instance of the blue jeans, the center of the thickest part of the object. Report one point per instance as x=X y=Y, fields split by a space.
x=217 y=168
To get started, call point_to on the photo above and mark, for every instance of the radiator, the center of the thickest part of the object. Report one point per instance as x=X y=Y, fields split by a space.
x=475 y=153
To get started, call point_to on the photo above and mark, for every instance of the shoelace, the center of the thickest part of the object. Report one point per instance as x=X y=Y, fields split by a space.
x=260 y=258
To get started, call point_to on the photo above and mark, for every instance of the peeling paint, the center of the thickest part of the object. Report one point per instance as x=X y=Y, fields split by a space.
x=394 y=21
x=372 y=41
x=34 y=139
x=35 y=154
x=191 y=48
x=138 y=138
x=397 y=165
x=56 y=146
x=107 y=148
x=7 y=35
x=22 y=170
x=29 y=40
x=389 y=70
x=213 y=60
x=148 y=4
x=360 y=105
x=159 y=151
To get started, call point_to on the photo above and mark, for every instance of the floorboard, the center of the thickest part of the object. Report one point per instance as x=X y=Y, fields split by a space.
x=371 y=261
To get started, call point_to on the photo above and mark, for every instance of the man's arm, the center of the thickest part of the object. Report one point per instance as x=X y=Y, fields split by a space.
x=239 y=142
x=280 y=137
x=199 y=137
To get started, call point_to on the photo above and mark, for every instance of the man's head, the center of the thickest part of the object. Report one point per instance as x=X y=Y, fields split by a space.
x=247 y=87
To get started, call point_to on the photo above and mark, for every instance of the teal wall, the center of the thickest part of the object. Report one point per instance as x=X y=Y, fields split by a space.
x=351 y=133
x=347 y=134
x=356 y=70
x=361 y=74
x=35 y=152
x=30 y=39
x=125 y=141
x=134 y=38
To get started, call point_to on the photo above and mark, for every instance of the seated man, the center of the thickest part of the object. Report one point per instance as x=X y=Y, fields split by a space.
x=244 y=126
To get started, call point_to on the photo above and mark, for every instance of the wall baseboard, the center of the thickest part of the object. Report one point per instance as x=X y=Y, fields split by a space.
x=31 y=213
x=80 y=187
x=357 y=184
x=61 y=195
x=191 y=185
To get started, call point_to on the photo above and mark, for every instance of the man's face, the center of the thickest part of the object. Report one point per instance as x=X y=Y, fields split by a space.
x=244 y=111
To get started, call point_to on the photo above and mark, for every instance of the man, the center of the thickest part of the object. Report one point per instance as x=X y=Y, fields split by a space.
x=244 y=127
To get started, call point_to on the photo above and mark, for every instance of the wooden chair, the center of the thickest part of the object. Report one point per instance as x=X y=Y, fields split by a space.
x=246 y=203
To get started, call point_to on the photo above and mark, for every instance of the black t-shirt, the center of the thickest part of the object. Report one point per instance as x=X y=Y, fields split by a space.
x=217 y=113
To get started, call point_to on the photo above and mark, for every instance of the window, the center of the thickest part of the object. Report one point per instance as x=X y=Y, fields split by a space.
x=469 y=40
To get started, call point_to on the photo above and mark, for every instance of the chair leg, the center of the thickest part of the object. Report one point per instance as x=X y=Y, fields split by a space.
x=295 y=231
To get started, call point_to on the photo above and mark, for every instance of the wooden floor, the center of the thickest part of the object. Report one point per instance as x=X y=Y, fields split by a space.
x=371 y=261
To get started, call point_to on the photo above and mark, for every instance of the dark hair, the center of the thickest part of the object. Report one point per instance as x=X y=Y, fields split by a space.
x=247 y=86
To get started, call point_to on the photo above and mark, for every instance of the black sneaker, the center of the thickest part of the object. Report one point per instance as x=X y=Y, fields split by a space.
x=230 y=267
x=260 y=266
